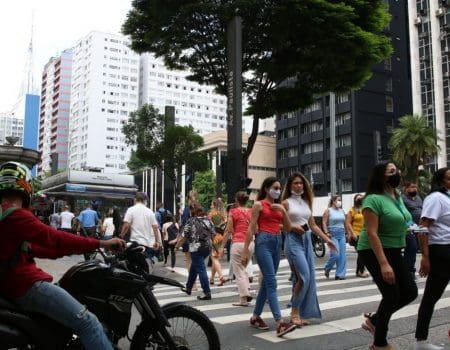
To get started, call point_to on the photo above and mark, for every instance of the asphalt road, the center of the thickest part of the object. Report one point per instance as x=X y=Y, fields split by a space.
x=342 y=304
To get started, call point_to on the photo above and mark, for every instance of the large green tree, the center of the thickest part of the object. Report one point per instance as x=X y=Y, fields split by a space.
x=413 y=143
x=292 y=49
x=158 y=143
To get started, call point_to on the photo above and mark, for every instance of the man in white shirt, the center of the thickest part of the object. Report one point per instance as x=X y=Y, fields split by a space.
x=66 y=219
x=141 y=220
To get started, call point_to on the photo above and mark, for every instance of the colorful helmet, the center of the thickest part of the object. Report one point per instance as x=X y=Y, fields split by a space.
x=16 y=177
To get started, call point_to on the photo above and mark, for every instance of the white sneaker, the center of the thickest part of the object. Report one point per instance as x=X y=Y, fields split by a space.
x=426 y=345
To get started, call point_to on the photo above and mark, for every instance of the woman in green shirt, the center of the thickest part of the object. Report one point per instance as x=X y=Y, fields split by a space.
x=382 y=238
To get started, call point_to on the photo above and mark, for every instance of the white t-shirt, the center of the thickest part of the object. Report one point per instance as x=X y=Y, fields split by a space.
x=66 y=220
x=108 y=226
x=141 y=220
x=436 y=206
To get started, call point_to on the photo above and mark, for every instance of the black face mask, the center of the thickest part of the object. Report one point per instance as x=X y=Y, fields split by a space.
x=394 y=180
x=358 y=202
x=412 y=194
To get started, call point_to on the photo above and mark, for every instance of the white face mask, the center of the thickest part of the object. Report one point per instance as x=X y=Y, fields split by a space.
x=275 y=194
x=297 y=194
x=338 y=204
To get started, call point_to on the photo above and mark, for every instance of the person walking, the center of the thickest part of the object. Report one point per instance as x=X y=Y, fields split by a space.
x=218 y=217
x=141 y=221
x=379 y=245
x=187 y=213
x=88 y=220
x=237 y=227
x=297 y=199
x=354 y=222
x=55 y=219
x=268 y=216
x=108 y=226
x=435 y=248
x=413 y=202
x=66 y=220
x=333 y=224
x=198 y=232
x=170 y=232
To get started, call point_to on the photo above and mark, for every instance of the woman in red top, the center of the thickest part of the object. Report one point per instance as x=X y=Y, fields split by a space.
x=237 y=227
x=23 y=281
x=266 y=220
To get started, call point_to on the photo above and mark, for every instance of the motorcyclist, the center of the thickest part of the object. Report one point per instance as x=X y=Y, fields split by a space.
x=23 y=237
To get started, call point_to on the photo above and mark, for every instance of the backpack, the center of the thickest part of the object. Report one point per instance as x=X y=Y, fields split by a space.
x=202 y=238
x=172 y=232
x=23 y=248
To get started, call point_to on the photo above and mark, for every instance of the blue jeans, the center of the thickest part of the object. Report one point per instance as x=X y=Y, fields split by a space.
x=299 y=252
x=339 y=257
x=54 y=302
x=198 y=268
x=268 y=253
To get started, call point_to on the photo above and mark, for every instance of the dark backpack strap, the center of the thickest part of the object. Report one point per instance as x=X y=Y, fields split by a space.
x=23 y=248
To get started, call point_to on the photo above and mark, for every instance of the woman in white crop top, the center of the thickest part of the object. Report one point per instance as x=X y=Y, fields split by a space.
x=297 y=199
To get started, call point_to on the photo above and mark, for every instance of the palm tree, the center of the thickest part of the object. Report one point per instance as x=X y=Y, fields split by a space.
x=413 y=143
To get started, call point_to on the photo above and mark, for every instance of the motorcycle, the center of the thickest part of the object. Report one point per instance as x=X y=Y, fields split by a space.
x=110 y=289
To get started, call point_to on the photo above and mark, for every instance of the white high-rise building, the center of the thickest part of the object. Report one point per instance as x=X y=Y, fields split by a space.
x=429 y=30
x=195 y=104
x=105 y=82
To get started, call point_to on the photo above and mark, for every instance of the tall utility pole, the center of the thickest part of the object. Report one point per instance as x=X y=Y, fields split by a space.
x=332 y=144
x=235 y=172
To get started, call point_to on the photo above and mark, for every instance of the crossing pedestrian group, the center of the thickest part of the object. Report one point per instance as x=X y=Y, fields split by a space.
x=386 y=228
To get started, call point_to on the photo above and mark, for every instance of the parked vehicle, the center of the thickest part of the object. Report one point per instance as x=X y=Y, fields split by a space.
x=110 y=289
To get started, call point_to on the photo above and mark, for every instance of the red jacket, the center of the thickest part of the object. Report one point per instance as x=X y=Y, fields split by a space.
x=45 y=242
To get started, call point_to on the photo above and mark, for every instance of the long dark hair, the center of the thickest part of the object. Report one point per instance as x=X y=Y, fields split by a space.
x=268 y=182
x=307 y=195
x=437 y=182
x=377 y=183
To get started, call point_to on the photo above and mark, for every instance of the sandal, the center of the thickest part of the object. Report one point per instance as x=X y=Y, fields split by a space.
x=211 y=282
x=295 y=318
x=223 y=280
x=240 y=303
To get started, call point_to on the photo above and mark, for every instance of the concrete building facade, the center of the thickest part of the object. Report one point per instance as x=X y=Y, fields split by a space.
x=195 y=104
x=104 y=90
x=55 y=112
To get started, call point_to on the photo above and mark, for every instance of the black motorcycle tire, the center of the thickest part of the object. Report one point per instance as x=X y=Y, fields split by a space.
x=319 y=247
x=146 y=328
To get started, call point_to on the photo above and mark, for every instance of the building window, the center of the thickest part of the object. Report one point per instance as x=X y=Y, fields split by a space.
x=389 y=104
x=341 y=119
x=342 y=98
x=389 y=84
x=343 y=141
x=388 y=64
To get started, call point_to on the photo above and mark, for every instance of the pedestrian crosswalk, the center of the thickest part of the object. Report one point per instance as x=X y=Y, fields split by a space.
x=342 y=303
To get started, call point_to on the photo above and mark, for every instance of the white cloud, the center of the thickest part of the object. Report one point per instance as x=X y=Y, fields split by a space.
x=57 y=26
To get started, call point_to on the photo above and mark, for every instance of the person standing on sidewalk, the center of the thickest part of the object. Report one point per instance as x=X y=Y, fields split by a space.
x=237 y=227
x=435 y=248
x=141 y=221
x=333 y=224
x=413 y=203
x=298 y=200
x=354 y=222
x=380 y=247
x=268 y=216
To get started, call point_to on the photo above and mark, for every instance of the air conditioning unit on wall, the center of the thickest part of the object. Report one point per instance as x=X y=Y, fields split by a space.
x=418 y=21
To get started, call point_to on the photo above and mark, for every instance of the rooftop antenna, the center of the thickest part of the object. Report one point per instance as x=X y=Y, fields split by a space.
x=28 y=86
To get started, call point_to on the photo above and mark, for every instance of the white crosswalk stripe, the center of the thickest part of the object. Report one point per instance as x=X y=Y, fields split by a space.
x=334 y=295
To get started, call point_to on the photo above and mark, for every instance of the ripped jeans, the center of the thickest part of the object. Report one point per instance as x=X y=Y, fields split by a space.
x=54 y=302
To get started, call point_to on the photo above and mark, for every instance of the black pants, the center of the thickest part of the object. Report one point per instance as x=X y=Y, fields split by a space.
x=436 y=283
x=359 y=263
x=394 y=296
x=169 y=247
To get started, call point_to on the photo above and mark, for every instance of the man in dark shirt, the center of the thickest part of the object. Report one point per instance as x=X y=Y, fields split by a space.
x=413 y=203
